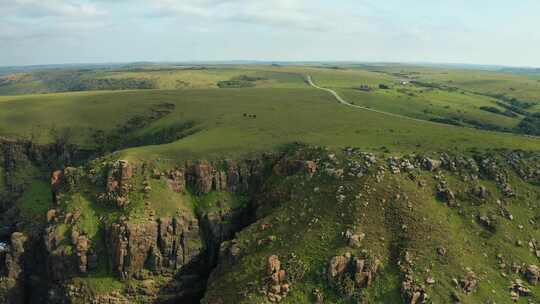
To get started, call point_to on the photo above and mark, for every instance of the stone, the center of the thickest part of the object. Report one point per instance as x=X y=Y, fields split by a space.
x=319 y=296
x=311 y=167
x=355 y=240
x=51 y=215
x=482 y=192
x=147 y=189
x=275 y=289
x=282 y=275
x=337 y=266
x=469 y=282
x=273 y=265
x=82 y=247
x=532 y=273
x=285 y=288
x=432 y=164
x=56 y=184
x=441 y=251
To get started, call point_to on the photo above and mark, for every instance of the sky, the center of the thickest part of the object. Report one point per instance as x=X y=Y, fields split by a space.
x=498 y=32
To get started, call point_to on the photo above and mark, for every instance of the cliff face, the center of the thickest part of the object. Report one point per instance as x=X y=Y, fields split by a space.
x=171 y=255
x=21 y=249
x=12 y=276
x=165 y=245
x=111 y=235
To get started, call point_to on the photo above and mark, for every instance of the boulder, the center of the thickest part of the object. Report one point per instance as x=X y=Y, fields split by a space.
x=51 y=215
x=337 y=267
x=532 y=273
x=177 y=181
x=469 y=282
x=432 y=164
x=446 y=195
x=56 y=185
x=273 y=265
x=82 y=247
x=355 y=240
x=311 y=167
x=14 y=258
x=126 y=170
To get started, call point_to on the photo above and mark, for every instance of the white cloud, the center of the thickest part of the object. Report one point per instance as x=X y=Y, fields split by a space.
x=26 y=21
x=426 y=30
x=50 y=8
x=275 y=13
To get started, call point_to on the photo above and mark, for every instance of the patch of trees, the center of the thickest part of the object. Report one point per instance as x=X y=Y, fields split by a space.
x=331 y=67
x=507 y=112
x=461 y=121
x=228 y=84
x=80 y=84
x=364 y=87
x=122 y=136
x=530 y=124
x=447 y=120
x=485 y=125
x=511 y=103
x=433 y=85
x=242 y=81
x=164 y=135
x=77 y=80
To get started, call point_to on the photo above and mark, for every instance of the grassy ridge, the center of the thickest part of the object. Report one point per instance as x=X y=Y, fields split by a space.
x=481 y=99
x=282 y=116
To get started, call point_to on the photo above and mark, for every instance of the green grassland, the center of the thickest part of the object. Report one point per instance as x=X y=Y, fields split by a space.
x=446 y=95
x=283 y=115
x=520 y=86
x=122 y=79
x=35 y=202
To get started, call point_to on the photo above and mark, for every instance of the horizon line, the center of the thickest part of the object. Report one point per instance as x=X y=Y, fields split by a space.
x=250 y=62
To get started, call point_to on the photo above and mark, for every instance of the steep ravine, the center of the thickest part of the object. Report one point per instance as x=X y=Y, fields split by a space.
x=23 y=165
x=162 y=259
x=102 y=226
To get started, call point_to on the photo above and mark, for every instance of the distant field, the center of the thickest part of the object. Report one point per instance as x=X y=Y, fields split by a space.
x=487 y=100
x=168 y=78
x=523 y=87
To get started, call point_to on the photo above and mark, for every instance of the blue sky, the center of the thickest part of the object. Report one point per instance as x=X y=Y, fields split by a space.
x=447 y=31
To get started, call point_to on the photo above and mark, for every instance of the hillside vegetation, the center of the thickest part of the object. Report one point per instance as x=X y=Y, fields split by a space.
x=244 y=184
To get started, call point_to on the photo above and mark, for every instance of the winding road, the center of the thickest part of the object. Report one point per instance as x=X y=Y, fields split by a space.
x=344 y=102
x=348 y=104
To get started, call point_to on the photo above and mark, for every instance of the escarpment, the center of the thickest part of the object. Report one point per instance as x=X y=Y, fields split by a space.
x=137 y=243
x=306 y=225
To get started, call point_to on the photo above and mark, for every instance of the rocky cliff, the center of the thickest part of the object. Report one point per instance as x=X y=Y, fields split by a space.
x=306 y=225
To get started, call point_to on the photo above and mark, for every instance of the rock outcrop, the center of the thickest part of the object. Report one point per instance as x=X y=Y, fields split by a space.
x=118 y=184
x=166 y=244
x=12 y=276
x=349 y=274
x=204 y=177
x=278 y=287
x=532 y=273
